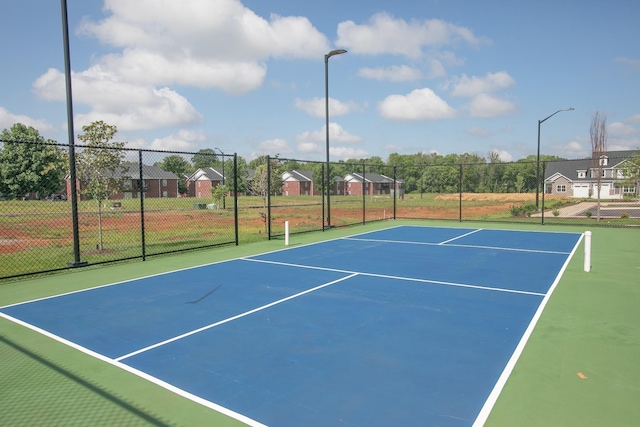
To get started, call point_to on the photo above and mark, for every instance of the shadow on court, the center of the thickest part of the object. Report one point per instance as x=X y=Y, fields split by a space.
x=37 y=391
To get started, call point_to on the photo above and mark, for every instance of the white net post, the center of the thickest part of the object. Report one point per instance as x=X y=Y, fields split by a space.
x=286 y=233
x=587 y=251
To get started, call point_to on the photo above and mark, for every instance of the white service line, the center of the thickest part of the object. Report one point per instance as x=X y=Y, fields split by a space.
x=408 y=279
x=460 y=237
x=246 y=313
x=497 y=248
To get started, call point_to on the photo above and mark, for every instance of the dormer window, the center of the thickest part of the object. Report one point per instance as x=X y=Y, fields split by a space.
x=604 y=160
x=582 y=174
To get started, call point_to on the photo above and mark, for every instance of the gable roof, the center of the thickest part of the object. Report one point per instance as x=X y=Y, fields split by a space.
x=211 y=174
x=368 y=177
x=303 y=176
x=569 y=168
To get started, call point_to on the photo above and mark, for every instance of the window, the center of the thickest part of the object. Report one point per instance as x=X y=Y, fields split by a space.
x=582 y=174
x=604 y=160
x=164 y=183
x=562 y=188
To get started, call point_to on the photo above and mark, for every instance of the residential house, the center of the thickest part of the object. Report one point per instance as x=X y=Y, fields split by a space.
x=200 y=183
x=357 y=184
x=156 y=182
x=579 y=178
x=297 y=183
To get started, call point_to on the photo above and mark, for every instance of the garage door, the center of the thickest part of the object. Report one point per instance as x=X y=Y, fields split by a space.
x=581 y=190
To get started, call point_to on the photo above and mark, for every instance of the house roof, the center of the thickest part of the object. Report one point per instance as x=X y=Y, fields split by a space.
x=132 y=170
x=211 y=174
x=368 y=177
x=303 y=176
x=569 y=168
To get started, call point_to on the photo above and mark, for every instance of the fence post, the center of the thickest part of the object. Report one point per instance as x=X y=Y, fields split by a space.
x=141 y=195
x=324 y=189
x=72 y=156
x=235 y=195
x=460 y=193
x=364 y=197
x=268 y=197
x=395 y=191
x=544 y=166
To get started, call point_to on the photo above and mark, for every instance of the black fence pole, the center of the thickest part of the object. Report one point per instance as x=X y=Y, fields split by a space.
x=72 y=156
x=364 y=192
x=235 y=195
x=324 y=189
x=460 y=192
x=141 y=190
x=544 y=167
x=395 y=190
x=269 y=197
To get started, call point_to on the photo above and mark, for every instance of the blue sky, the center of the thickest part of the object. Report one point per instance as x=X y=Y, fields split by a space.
x=444 y=76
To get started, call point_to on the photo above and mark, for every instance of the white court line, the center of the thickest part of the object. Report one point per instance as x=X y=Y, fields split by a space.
x=460 y=237
x=502 y=380
x=246 y=313
x=497 y=248
x=221 y=409
x=408 y=279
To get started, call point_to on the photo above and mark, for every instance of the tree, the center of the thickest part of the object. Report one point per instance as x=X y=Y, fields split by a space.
x=99 y=166
x=598 y=134
x=29 y=163
x=266 y=177
x=204 y=158
x=178 y=165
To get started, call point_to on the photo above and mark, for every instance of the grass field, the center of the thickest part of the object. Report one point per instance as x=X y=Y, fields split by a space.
x=37 y=235
x=579 y=367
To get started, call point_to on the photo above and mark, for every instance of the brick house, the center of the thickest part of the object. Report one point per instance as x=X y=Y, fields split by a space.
x=156 y=182
x=200 y=183
x=578 y=178
x=357 y=184
x=297 y=183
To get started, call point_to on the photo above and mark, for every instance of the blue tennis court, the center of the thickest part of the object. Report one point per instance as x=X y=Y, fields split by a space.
x=407 y=326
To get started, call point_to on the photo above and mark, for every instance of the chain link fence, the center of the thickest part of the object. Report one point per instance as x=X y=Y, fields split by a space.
x=132 y=204
x=129 y=205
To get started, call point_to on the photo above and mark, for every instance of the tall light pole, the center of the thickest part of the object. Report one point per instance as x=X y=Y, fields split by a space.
x=222 y=157
x=326 y=104
x=538 y=156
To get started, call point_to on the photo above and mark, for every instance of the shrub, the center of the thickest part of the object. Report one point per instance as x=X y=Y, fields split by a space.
x=624 y=215
x=588 y=214
x=555 y=212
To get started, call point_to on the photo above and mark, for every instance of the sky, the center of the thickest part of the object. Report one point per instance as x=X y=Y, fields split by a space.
x=248 y=76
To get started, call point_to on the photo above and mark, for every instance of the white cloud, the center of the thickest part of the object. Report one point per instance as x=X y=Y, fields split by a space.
x=336 y=134
x=200 y=42
x=316 y=107
x=385 y=34
x=420 y=104
x=347 y=152
x=621 y=129
x=129 y=106
x=276 y=145
x=474 y=86
x=503 y=155
x=184 y=140
x=486 y=106
x=394 y=73
x=7 y=120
